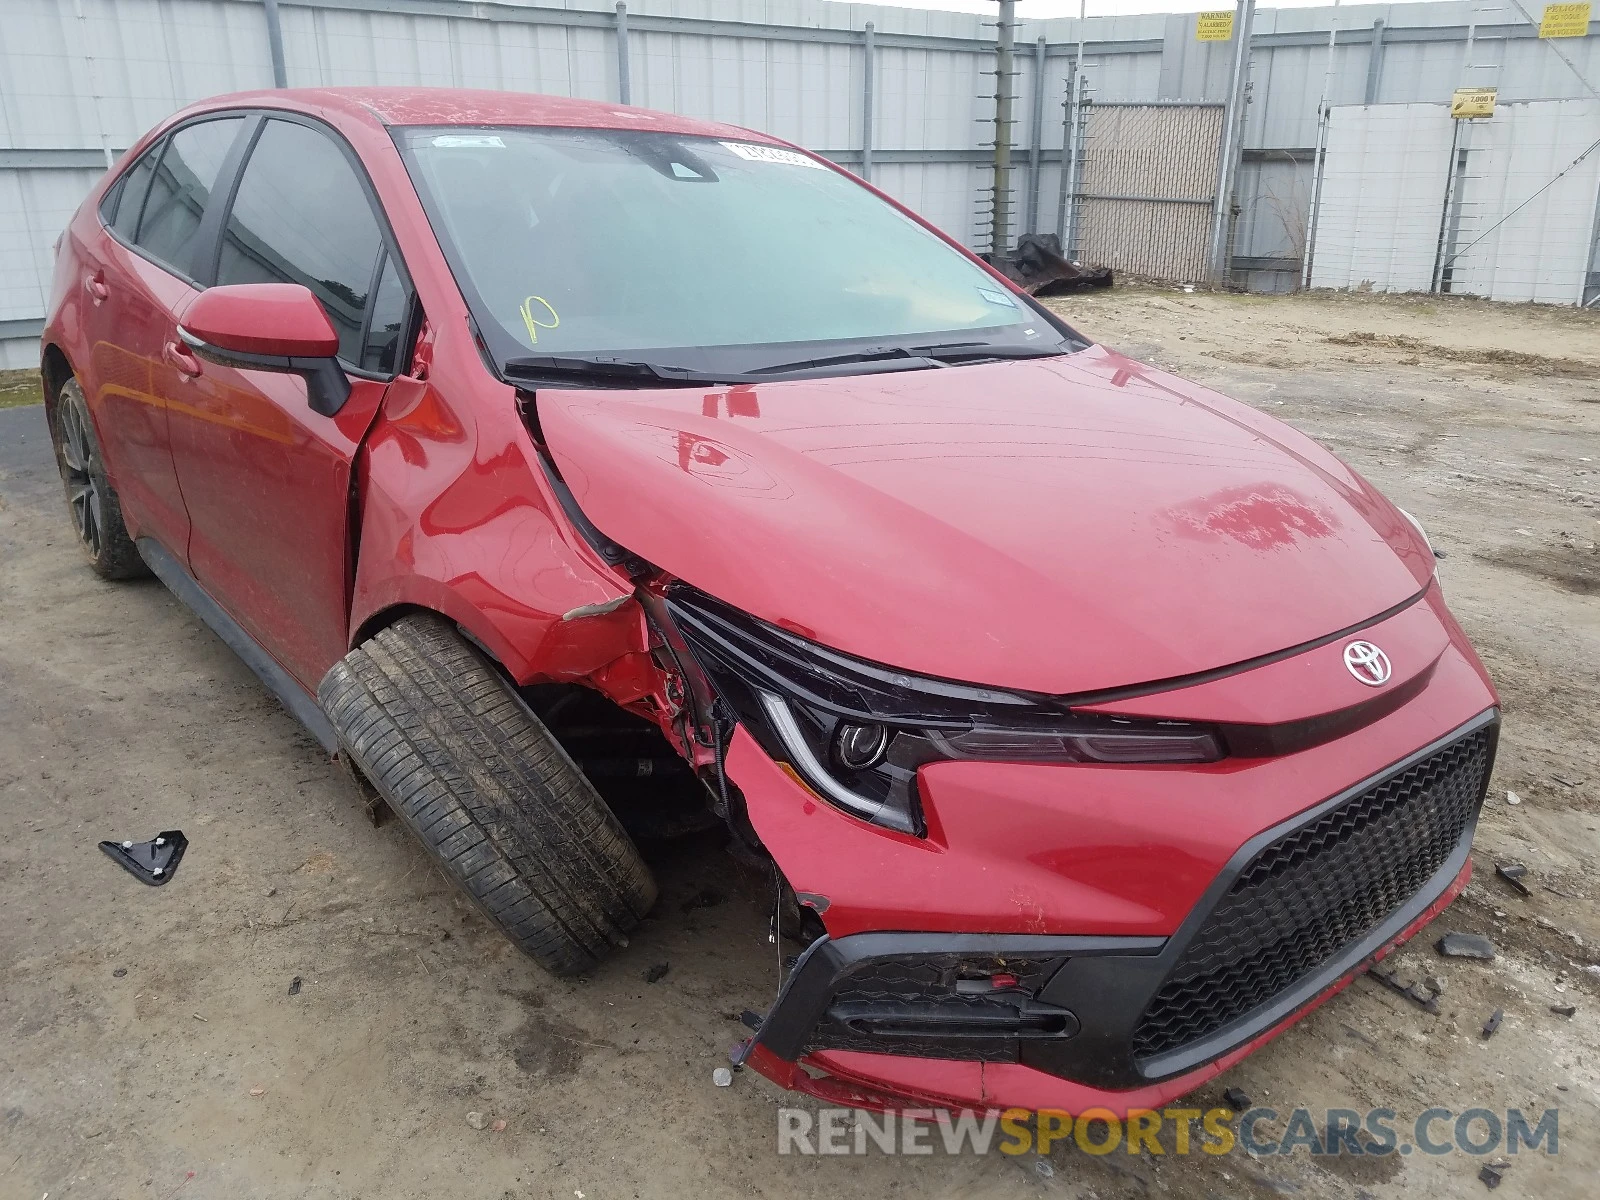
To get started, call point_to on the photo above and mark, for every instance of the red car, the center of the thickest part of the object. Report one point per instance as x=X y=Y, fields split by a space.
x=578 y=474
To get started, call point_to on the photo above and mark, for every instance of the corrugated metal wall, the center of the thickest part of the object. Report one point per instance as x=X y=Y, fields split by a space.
x=80 y=79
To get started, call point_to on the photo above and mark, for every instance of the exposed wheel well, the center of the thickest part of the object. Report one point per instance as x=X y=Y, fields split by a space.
x=55 y=370
x=630 y=762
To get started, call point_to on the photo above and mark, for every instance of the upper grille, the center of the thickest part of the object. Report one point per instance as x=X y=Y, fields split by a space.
x=1314 y=891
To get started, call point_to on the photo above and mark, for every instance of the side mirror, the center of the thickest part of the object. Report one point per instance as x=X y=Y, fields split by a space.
x=270 y=327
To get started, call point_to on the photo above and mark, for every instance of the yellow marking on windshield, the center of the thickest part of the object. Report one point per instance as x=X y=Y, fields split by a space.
x=534 y=325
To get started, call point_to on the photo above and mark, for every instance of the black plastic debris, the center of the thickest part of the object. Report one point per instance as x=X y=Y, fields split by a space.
x=1512 y=873
x=119 y=973
x=1490 y=1177
x=1465 y=945
x=294 y=986
x=1563 y=1010
x=1237 y=1100
x=1415 y=992
x=1493 y=1023
x=1039 y=268
x=657 y=973
x=751 y=1019
x=152 y=862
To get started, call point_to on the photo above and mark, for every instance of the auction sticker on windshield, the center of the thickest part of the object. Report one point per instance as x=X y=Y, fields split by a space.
x=772 y=154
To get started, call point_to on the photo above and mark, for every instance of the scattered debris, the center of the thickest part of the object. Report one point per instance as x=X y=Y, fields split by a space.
x=1512 y=797
x=1490 y=1176
x=499 y=1126
x=1237 y=1099
x=477 y=1120
x=152 y=862
x=1043 y=1167
x=1434 y=983
x=1493 y=1023
x=199 y=1018
x=1039 y=268
x=294 y=986
x=1512 y=873
x=751 y=1019
x=119 y=972
x=258 y=1092
x=657 y=973
x=1416 y=993
x=1565 y=782
x=722 y=1077
x=269 y=893
x=704 y=898
x=1465 y=945
x=1563 y=1010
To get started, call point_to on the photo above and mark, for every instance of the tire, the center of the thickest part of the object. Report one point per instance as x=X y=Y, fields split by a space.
x=458 y=756
x=91 y=500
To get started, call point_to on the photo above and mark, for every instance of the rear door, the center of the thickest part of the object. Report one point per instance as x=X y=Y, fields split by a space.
x=139 y=278
x=266 y=480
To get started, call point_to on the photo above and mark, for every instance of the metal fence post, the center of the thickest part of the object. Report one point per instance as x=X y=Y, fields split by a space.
x=1375 y=62
x=1036 y=150
x=624 y=74
x=1000 y=221
x=869 y=47
x=280 y=75
x=1228 y=161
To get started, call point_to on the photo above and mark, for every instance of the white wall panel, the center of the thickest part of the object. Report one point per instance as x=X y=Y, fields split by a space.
x=1382 y=195
x=1529 y=225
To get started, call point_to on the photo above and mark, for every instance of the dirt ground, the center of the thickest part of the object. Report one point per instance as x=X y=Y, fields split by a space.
x=150 y=1046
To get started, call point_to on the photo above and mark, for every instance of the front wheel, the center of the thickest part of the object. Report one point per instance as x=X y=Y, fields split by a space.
x=459 y=757
x=96 y=511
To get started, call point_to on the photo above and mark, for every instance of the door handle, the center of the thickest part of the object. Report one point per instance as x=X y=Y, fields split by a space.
x=95 y=285
x=183 y=358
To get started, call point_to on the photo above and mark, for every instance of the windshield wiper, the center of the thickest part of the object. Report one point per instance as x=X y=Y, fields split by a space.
x=949 y=352
x=634 y=371
x=911 y=358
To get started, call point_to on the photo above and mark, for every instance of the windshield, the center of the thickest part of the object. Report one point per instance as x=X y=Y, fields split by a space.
x=697 y=253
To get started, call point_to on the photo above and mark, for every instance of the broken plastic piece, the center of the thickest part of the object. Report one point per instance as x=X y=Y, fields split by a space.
x=152 y=862
x=1493 y=1023
x=1512 y=873
x=1465 y=945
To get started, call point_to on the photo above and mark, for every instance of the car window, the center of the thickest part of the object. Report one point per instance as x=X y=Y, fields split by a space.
x=179 y=189
x=301 y=216
x=388 y=317
x=120 y=208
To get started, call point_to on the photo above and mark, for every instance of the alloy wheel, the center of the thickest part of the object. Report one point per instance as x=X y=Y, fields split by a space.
x=83 y=493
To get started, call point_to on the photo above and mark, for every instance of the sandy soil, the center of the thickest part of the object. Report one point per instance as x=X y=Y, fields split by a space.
x=149 y=1046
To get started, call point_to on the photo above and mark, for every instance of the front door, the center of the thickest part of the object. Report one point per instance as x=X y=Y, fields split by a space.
x=267 y=481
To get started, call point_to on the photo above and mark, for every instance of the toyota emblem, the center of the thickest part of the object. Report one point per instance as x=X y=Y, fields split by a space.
x=1367 y=663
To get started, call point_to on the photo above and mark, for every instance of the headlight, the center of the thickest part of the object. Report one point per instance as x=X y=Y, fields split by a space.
x=855 y=732
x=1417 y=525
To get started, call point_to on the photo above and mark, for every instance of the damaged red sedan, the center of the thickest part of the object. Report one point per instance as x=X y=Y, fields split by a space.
x=578 y=474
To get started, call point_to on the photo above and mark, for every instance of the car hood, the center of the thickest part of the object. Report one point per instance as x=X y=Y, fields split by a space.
x=1060 y=525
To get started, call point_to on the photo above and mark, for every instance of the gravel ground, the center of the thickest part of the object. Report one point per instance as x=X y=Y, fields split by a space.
x=150 y=1046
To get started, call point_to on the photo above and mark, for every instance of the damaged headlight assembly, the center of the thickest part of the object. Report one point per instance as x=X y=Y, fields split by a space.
x=855 y=732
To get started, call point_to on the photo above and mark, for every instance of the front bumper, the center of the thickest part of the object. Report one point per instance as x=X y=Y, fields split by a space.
x=1129 y=1016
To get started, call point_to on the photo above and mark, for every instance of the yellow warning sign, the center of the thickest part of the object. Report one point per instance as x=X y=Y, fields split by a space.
x=1564 y=20
x=1218 y=26
x=1472 y=102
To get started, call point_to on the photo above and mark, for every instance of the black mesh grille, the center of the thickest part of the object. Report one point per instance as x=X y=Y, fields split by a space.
x=1314 y=891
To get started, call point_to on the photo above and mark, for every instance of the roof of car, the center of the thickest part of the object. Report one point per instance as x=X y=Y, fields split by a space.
x=471 y=106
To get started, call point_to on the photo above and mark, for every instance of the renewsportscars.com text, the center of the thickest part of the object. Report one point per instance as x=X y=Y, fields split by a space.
x=1216 y=1131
